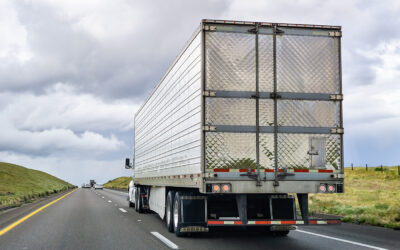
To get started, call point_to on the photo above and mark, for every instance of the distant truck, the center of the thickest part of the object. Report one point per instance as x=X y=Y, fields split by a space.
x=92 y=182
x=248 y=114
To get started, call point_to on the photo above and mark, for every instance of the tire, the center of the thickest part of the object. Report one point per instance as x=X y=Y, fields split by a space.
x=138 y=203
x=177 y=220
x=169 y=218
x=131 y=204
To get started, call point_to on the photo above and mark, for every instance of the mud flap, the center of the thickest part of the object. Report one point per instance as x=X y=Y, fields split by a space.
x=241 y=201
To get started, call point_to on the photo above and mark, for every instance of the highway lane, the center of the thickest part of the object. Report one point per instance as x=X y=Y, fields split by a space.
x=86 y=220
x=82 y=220
x=238 y=238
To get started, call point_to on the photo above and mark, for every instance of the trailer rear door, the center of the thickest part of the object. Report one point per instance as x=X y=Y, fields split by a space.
x=272 y=98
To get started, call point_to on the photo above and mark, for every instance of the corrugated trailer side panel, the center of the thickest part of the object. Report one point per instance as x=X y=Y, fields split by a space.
x=168 y=126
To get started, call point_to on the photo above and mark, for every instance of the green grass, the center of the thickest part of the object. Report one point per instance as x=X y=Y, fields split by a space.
x=371 y=197
x=20 y=185
x=118 y=183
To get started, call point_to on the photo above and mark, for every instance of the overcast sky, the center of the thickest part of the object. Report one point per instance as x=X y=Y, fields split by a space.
x=73 y=73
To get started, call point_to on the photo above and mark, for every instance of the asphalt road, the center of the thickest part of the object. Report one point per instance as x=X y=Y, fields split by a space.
x=101 y=219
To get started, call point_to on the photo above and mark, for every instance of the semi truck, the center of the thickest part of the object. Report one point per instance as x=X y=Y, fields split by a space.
x=244 y=125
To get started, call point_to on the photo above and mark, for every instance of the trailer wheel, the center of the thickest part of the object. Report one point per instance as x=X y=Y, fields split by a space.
x=177 y=219
x=138 y=203
x=131 y=204
x=169 y=206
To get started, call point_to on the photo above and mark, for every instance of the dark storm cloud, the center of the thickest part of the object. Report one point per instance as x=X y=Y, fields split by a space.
x=124 y=66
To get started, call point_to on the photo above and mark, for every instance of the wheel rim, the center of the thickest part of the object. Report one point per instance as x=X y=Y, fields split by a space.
x=168 y=212
x=176 y=214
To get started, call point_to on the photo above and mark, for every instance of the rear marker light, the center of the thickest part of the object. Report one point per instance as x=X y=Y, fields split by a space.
x=331 y=188
x=219 y=188
x=322 y=188
x=216 y=188
x=226 y=188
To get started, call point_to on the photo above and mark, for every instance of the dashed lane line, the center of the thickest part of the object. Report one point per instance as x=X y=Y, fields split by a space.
x=122 y=210
x=342 y=240
x=166 y=241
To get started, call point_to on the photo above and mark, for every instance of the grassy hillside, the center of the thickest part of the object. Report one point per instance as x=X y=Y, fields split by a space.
x=371 y=197
x=118 y=183
x=19 y=184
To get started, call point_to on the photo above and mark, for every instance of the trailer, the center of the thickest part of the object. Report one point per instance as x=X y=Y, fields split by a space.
x=247 y=119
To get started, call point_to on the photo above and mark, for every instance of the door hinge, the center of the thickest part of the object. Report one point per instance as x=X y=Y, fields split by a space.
x=210 y=28
x=337 y=130
x=209 y=128
x=279 y=31
x=335 y=33
x=209 y=93
x=336 y=97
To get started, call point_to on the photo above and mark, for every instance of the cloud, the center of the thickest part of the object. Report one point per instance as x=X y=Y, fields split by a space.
x=117 y=49
x=61 y=106
x=62 y=120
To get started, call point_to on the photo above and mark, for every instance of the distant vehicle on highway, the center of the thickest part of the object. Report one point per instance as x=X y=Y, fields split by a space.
x=86 y=186
x=248 y=115
x=92 y=182
x=98 y=186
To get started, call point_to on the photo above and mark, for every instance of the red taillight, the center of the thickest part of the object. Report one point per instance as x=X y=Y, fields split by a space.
x=226 y=188
x=322 y=188
x=331 y=188
x=216 y=188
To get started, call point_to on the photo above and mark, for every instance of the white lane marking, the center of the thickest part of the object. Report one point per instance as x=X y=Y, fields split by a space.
x=122 y=210
x=342 y=240
x=109 y=201
x=165 y=240
x=102 y=197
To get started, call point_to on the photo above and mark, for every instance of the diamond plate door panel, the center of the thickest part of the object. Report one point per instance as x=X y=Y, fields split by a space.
x=267 y=157
x=266 y=63
x=296 y=151
x=230 y=150
x=266 y=112
x=307 y=64
x=230 y=111
x=308 y=113
x=230 y=61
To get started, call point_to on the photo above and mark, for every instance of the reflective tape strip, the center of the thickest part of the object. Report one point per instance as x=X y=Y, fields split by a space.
x=288 y=222
x=215 y=222
x=334 y=221
x=262 y=222
x=274 y=222
x=243 y=170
